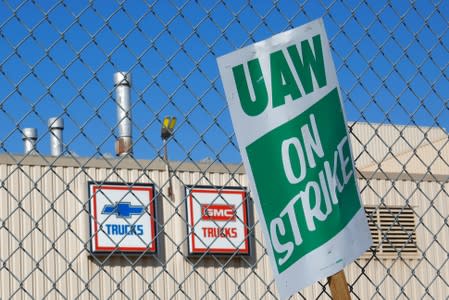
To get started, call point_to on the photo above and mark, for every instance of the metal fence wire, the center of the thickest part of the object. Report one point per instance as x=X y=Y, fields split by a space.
x=68 y=123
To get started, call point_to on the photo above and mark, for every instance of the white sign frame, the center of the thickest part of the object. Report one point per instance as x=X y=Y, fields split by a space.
x=197 y=204
x=139 y=217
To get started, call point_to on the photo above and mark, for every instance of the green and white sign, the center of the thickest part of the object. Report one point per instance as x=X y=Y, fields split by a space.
x=286 y=109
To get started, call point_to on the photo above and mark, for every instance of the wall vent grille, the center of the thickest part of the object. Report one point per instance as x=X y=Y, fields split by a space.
x=392 y=229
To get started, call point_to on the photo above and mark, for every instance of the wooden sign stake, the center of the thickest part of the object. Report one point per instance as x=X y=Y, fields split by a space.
x=339 y=286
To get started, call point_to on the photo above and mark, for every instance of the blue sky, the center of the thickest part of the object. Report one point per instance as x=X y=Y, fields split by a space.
x=57 y=59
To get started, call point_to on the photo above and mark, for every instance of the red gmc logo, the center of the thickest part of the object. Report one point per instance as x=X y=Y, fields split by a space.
x=217 y=212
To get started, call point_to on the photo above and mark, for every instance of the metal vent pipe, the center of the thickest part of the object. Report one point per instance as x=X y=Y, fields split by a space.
x=29 y=137
x=56 y=125
x=122 y=82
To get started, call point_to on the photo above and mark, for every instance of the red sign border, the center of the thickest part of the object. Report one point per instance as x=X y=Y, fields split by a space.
x=93 y=187
x=189 y=212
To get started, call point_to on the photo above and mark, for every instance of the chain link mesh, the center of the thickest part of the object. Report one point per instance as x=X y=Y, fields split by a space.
x=57 y=59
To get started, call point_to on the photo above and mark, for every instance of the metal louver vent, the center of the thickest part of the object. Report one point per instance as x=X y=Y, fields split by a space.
x=371 y=215
x=392 y=230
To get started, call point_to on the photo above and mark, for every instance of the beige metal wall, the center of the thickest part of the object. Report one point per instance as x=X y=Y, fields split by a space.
x=55 y=247
x=420 y=276
x=399 y=147
x=44 y=239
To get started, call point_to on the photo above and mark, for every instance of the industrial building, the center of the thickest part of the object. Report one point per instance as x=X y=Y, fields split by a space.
x=45 y=236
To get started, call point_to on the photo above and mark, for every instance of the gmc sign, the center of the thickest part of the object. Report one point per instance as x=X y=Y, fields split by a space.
x=217 y=220
x=217 y=212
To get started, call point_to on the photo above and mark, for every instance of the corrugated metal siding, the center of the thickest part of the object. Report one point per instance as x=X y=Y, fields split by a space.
x=375 y=143
x=44 y=209
x=408 y=277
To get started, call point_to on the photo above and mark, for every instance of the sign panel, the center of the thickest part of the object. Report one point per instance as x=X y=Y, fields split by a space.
x=286 y=109
x=122 y=217
x=218 y=220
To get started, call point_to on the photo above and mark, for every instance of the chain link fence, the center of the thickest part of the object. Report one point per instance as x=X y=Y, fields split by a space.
x=58 y=59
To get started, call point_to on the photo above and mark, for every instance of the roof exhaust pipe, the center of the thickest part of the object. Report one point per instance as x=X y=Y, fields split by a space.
x=29 y=137
x=122 y=83
x=56 y=125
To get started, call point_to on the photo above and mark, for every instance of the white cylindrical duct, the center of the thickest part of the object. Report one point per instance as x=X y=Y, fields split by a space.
x=122 y=82
x=56 y=125
x=29 y=137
